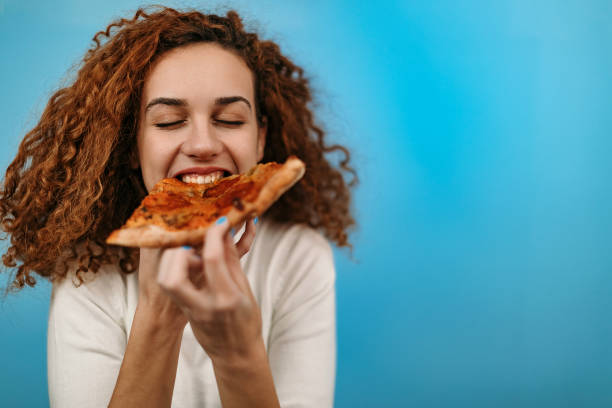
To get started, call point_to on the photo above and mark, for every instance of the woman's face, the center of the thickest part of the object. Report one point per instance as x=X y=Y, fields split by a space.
x=197 y=117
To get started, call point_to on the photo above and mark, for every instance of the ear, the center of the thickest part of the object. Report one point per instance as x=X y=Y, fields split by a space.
x=261 y=138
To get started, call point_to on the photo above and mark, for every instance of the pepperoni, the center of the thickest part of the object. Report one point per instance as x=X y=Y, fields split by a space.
x=165 y=201
x=220 y=188
x=243 y=190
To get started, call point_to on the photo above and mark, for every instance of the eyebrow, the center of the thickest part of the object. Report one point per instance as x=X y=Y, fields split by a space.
x=224 y=100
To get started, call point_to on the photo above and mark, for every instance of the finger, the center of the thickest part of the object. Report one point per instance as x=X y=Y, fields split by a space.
x=216 y=271
x=174 y=279
x=232 y=258
x=244 y=244
x=195 y=267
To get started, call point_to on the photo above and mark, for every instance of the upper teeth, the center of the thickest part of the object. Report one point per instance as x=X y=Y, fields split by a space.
x=202 y=178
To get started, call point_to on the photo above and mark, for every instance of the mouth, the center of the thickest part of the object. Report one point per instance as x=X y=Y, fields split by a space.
x=195 y=178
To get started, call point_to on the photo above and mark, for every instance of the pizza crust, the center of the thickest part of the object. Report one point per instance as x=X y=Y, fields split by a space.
x=153 y=236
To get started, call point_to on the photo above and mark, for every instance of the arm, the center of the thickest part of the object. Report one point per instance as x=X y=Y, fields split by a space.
x=156 y=332
x=143 y=380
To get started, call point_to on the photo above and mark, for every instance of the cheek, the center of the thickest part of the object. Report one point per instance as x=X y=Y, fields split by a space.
x=245 y=152
x=154 y=161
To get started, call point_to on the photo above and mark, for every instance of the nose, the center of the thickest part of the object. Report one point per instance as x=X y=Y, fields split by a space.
x=202 y=142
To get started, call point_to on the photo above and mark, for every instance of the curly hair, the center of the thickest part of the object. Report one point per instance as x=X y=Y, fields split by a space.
x=71 y=182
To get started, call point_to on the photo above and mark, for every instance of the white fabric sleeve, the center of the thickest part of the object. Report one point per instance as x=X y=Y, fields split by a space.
x=86 y=341
x=302 y=342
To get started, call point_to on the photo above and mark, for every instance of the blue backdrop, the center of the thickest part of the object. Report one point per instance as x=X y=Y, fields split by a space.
x=481 y=132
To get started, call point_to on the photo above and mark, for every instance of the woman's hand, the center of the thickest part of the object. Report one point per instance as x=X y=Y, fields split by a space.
x=214 y=294
x=152 y=300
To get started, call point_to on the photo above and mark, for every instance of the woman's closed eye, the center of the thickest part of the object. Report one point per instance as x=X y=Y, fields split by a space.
x=169 y=124
x=232 y=123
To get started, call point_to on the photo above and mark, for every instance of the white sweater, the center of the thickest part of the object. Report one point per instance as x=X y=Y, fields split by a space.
x=291 y=272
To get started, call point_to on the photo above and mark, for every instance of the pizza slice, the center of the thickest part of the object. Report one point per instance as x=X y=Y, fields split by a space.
x=177 y=213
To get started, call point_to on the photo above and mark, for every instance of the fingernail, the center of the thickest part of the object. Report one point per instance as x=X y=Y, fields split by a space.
x=255 y=220
x=221 y=220
x=233 y=231
x=186 y=247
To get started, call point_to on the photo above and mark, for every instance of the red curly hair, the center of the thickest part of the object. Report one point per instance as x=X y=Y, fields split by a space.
x=71 y=182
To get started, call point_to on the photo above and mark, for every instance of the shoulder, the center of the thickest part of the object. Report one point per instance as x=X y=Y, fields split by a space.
x=104 y=290
x=292 y=256
x=289 y=244
x=287 y=237
x=103 y=280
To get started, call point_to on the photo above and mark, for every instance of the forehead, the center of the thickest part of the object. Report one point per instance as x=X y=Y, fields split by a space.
x=198 y=72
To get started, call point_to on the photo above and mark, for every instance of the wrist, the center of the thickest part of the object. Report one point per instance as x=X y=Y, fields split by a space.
x=160 y=317
x=249 y=360
x=246 y=381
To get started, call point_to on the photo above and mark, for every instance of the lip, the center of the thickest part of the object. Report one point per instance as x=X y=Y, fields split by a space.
x=200 y=170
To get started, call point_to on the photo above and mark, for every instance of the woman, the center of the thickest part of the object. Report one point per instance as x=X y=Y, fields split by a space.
x=244 y=321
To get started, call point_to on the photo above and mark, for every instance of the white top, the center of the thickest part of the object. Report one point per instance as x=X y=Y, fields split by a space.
x=291 y=272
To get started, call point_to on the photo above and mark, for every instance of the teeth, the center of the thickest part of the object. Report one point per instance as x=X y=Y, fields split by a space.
x=202 y=178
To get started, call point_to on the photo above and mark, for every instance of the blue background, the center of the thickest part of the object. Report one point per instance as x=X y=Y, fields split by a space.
x=481 y=132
